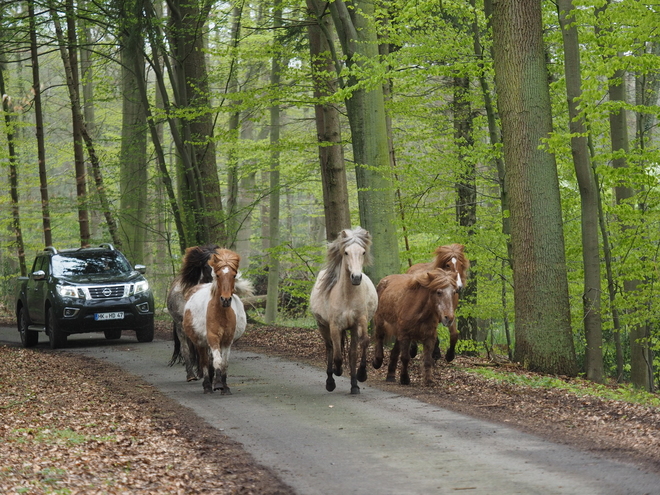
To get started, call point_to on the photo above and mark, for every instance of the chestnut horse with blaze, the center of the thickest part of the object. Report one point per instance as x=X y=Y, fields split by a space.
x=449 y=258
x=214 y=317
x=410 y=306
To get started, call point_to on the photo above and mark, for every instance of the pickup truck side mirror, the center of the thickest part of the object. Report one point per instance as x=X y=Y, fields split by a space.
x=39 y=275
x=141 y=268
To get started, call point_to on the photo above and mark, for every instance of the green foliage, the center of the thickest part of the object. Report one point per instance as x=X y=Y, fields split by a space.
x=577 y=386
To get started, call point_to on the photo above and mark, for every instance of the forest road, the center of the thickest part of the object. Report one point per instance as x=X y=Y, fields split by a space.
x=376 y=442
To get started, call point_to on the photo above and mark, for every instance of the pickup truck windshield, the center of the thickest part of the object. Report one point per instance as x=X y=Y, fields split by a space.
x=72 y=264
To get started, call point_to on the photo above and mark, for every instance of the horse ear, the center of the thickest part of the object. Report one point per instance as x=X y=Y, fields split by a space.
x=343 y=234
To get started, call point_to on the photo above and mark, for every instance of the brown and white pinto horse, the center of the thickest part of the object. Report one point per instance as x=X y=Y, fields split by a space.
x=214 y=318
x=410 y=306
x=194 y=270
x=449 y=258
x=344 y=299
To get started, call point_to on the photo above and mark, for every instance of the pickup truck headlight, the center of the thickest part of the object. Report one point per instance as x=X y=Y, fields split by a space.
x=69 y=291
x=141 y=286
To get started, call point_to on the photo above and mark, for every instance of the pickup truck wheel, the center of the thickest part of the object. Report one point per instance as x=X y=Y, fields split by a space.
x=29 y=338
x=146 y=334
x=112 y=334
x=56 y=337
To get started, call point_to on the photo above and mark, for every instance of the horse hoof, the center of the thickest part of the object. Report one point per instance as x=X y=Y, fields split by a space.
x=362 y=375
x=355 y=390
x=390 y=379
x=208 y=390
x=436 y=354
x=192 y=378
x=377 y=363
x=450 y=356
x=405 y=380
x=330 y=385
x=225 y=391
x=338 y=372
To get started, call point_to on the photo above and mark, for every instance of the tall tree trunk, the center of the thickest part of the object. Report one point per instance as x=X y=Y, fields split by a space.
x=641 y=369
x=70 y=59
x=189 y=17
x=233 y=133
x=39 y=127
x=588 y=196
x=274 y=196
x=466 y=192
x=328 y=127
x=86 y=71
x=13 y=174
x=366 y=114
x=133 y=174
x=544 y=340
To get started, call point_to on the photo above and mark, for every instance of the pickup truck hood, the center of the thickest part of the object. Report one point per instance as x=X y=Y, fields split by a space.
x=102 y=279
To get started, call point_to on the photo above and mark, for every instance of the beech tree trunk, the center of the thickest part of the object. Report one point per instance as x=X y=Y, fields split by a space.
x=592 y=319
x=544 y=340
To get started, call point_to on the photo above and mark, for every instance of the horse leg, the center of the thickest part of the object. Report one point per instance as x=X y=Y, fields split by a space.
x=453 y=338
x=405 y=360
x=363 y=343
x=379 y=335
x=188 y=355
x=413 y=349
x=394 y=361
x=436 y=349
x=337 y=346
x=203 y=356
x=330 y=381
x=352 y=360
x=220 y=382
x=428 y=360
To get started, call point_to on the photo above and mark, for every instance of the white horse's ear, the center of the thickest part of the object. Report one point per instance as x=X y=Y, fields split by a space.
x=344 y=234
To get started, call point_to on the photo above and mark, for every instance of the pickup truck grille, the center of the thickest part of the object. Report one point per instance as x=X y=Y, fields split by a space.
x=107 y=292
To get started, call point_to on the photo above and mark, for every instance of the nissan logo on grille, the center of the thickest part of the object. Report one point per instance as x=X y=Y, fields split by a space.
x=107 y=292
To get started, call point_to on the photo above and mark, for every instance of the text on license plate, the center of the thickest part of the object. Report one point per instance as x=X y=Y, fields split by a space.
x=116 y=315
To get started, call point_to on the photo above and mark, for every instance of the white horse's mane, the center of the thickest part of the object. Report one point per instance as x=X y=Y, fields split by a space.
x=335 y=254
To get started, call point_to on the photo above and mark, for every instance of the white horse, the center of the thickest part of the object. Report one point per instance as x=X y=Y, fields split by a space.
x=344 y=299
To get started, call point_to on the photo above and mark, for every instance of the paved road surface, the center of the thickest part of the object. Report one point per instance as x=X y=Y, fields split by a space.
x=377 y=442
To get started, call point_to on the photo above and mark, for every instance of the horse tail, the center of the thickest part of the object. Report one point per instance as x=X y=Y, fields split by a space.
x=243 y=287
x=176 y=354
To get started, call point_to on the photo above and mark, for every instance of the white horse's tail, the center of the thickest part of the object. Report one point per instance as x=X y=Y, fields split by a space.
x=243 y=287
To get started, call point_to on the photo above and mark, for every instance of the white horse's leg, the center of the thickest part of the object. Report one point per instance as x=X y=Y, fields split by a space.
x=337 y=361
x=363 y=336
x=352 y=359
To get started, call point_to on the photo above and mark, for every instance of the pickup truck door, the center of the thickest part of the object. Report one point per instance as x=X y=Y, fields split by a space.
x=37 y=290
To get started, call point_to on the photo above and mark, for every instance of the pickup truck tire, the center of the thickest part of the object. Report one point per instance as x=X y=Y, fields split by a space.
x=146 y=334
x=56 y=337
x=29 y=338
x=112 y=334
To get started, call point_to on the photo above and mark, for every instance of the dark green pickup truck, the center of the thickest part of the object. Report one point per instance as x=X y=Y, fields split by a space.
x=83 y=290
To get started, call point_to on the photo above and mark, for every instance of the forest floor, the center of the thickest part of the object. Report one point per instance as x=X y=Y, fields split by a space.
x=67 y=430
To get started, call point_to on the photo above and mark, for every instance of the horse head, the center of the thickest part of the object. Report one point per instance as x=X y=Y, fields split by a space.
x=443 y=288
x=354 y=261
x=224 y=264
x=452 y=259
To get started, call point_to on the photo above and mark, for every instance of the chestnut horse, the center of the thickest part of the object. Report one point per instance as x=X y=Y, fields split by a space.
x=214 y=318
x=343 y=299
x=410 y=306
x=194 y=270
x=449 y=258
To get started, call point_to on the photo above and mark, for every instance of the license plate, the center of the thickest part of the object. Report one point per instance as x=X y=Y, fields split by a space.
x=117 y=315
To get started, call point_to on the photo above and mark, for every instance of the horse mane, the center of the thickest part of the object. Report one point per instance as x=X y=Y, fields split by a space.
x=220 y=258
x=195 y=268
x=444 y=254
x=243 y=287
x=335 y=255
x=433 y=280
